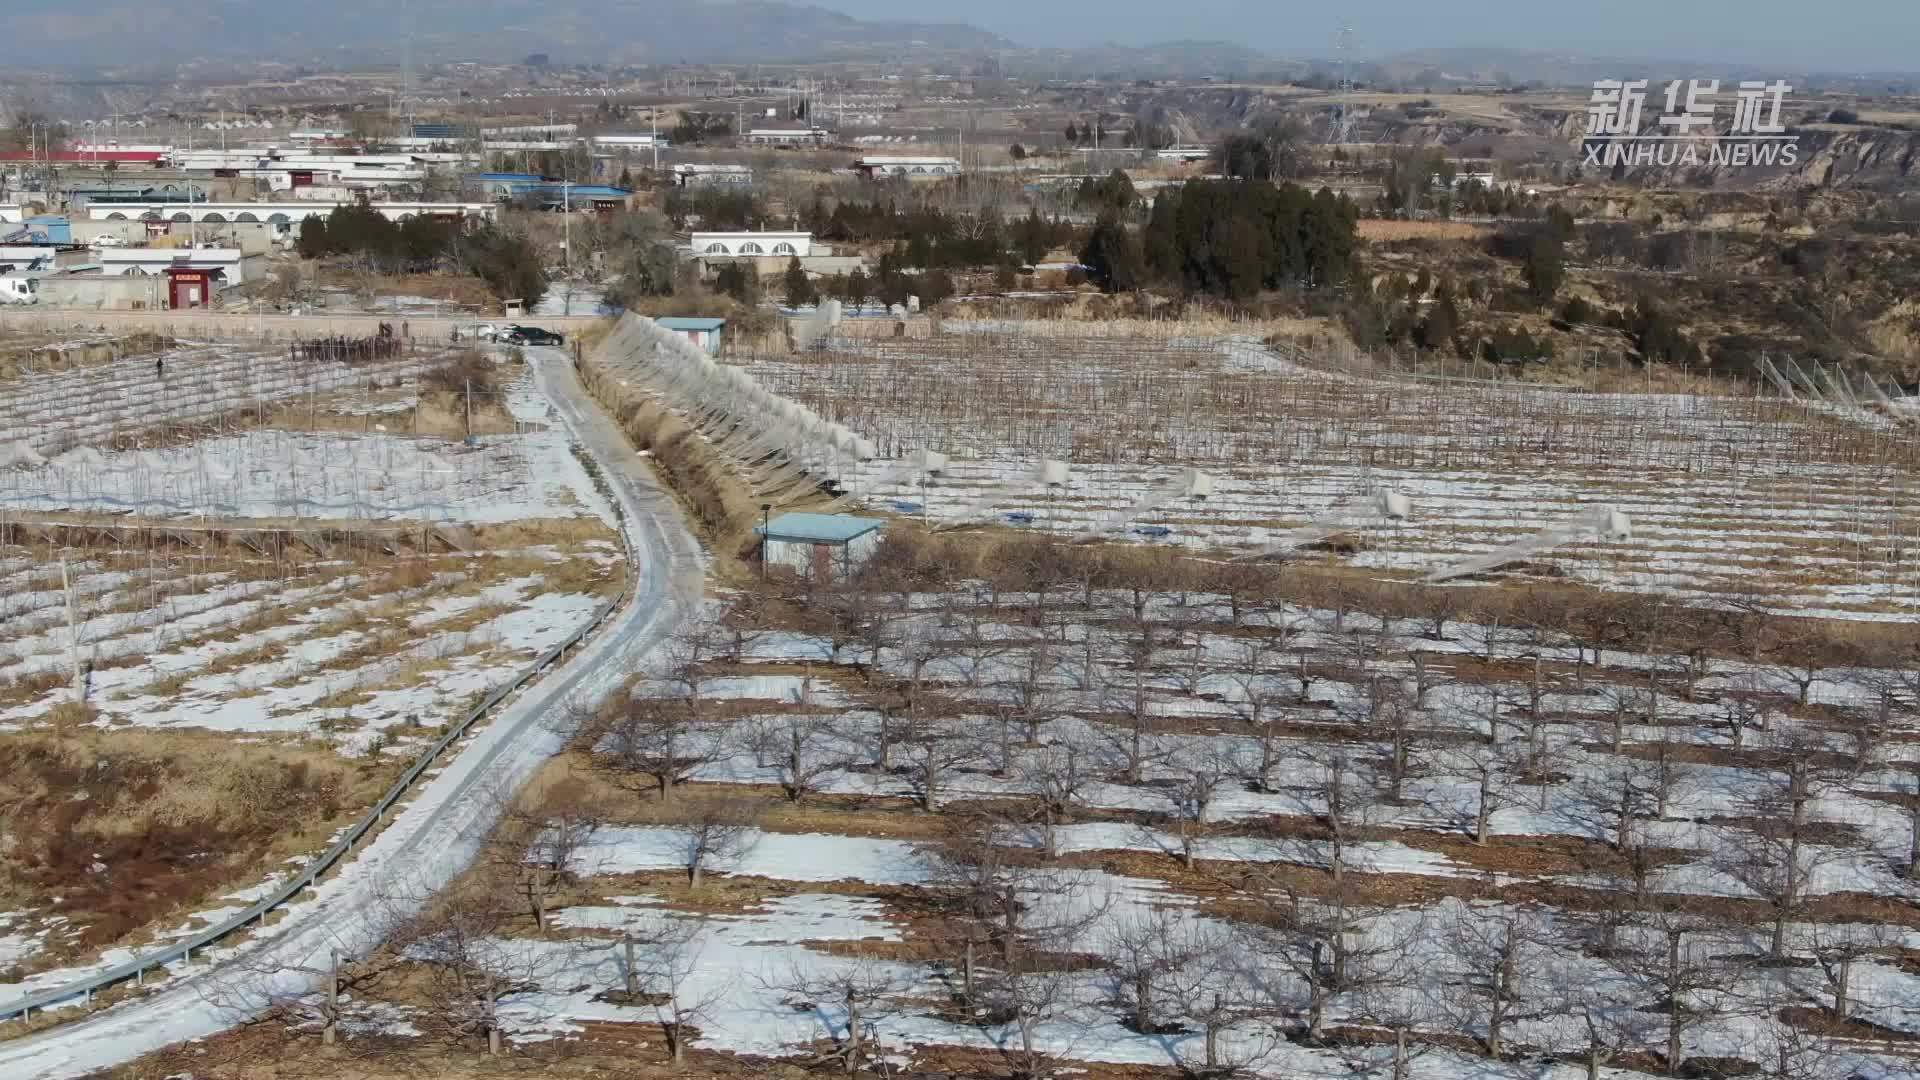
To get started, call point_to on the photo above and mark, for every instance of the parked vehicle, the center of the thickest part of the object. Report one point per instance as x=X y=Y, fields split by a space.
x=19 y=290
x=531 y=335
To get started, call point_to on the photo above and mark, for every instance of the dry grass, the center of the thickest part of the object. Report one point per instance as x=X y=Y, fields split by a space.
x=1384 y=230
x=41 y=353
x=719 y=503
x=133 y=827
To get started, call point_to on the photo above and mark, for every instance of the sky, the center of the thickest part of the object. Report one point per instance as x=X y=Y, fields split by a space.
x=1835 y=35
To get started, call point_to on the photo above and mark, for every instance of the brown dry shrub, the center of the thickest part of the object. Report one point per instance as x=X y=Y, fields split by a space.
x=128 y=826
x=468 y=369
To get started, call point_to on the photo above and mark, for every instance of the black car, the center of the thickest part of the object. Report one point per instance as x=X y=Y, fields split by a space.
x=531 y=335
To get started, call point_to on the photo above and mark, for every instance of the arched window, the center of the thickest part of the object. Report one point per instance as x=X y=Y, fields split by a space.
x=116 y=216
x=919 y=169
x=278 y=219
x=751 y=248
x=182 y=217
x=151 y=215
x=716 y=249
x=214 y=217
x=784 y=249
x=246 y=216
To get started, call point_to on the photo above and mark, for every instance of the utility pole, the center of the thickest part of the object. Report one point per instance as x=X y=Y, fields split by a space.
x=73 y=635
x=193 y=227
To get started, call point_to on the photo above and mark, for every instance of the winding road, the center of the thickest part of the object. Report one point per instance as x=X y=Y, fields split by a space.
x=435 y=837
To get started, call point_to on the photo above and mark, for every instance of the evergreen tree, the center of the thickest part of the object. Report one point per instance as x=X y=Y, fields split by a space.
x=1160 y=243
x=857 y=287
x=1112 y=257
x=507 y=262
x=1035 y=238
x=933 y=287
x=313 y=239
x=1545 y=267
x=800 y=291
x=1073 y=134
x=1442 y=324
x=738 y=282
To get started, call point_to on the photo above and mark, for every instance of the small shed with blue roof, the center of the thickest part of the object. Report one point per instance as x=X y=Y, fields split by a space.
x=819 y=545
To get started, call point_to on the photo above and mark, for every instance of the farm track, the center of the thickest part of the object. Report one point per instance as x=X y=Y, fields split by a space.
x=433 y=839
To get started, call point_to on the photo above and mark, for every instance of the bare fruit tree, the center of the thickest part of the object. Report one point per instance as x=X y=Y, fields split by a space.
x=1257 y=703
x=801 y=749
x=1489 y=773
x=1198 y=773
x=715 y=834
x=1148 y=952
x=851 y=998
x=1773 y=851
x=541 y=846
x=1498 y=953
x=1053 y=779
x=655 y=743
x=472 y=963
x=663 y=969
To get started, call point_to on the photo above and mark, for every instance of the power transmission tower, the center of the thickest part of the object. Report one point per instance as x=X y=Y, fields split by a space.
x=1341 y=129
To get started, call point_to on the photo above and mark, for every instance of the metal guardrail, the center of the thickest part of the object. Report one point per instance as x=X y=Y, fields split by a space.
x=136 y=969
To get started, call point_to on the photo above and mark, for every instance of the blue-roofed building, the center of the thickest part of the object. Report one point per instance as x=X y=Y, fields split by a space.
x=50 y=229
x=702 y=332
x=819 y=545
x=550 y=194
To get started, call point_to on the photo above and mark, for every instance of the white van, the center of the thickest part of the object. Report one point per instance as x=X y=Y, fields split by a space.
x=18 y=289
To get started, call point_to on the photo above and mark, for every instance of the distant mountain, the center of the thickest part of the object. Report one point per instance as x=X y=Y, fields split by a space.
x=1442 y=67
x=1168 y=60
x=112 y=32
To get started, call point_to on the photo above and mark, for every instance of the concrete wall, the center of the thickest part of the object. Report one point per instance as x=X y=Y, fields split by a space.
x=99 y=291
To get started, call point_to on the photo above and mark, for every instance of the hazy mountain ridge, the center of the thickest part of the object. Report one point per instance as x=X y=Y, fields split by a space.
x=52 y=32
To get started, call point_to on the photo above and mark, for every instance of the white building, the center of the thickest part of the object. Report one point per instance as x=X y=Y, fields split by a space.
x=636 y=142
x=287 y=214
x=751 y=244
x=690 y=175
x=789 y=136
x=547 y=131
x=233 y=264
x=908 y=166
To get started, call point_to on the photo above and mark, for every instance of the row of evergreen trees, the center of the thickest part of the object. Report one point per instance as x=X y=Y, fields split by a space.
x=927 y=237
x=505 y=260
x=1228 y=238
